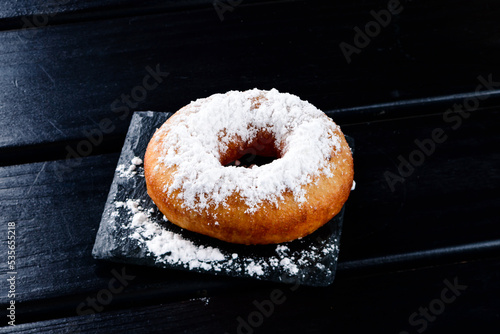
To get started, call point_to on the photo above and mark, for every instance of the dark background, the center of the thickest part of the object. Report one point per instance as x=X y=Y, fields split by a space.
x=64 y=64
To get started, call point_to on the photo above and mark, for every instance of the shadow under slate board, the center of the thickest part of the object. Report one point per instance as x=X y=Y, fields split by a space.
x=134 y=231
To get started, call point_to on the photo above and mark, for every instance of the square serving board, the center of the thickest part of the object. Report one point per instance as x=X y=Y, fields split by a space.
x=132 y=230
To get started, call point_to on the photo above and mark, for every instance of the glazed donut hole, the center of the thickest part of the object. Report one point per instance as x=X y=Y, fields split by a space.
x=260 y=151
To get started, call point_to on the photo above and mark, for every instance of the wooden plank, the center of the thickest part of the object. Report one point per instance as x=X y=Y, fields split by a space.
x=38 y=11
x=447 y=199
x=435 y=300
x=442 y=204
x=59 y=85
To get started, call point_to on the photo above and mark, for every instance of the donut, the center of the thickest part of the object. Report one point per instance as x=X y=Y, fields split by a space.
x=189 y=178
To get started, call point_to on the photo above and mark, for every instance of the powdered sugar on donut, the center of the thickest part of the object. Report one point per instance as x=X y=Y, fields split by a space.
x=192 y=143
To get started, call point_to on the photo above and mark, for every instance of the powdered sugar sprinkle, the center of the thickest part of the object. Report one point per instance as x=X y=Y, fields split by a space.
x=194 y=140
x=167 y=246
x=172 y=248
x=130 y=170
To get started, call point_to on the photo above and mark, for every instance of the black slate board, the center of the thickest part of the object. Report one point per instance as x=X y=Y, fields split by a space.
x=311 y=260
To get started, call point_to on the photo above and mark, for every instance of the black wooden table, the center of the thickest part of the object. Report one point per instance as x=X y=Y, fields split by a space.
x=415 y=83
